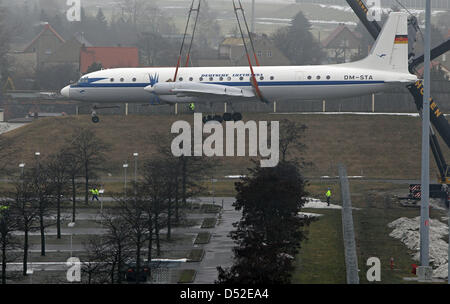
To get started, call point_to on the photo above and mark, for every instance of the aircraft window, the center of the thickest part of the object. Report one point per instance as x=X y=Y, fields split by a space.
x=191 y=79
x=328 y=77
x=309 y=77
x=201 y=78
x=211 y=78
x=221 y=78
x=122 y=79
x=229 y=78
x=180 y=79
x=241 y=78
x=134 y=79
x=261 y=78
x=272 y=78
x=318 y=77
x=112 y=79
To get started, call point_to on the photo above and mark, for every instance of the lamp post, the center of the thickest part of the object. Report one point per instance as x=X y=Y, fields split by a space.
x=22 y=167
x=213 y=180
x=36 y=155
x=71 y=226
x=424 y=270
x=135 y=171
x=125 y=166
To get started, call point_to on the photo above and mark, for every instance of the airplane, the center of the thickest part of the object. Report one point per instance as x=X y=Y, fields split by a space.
x=385 y=67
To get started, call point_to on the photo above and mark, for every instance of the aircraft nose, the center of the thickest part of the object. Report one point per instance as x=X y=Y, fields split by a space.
x=66 y=92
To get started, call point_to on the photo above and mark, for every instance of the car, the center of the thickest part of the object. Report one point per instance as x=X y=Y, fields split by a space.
x=130 y=272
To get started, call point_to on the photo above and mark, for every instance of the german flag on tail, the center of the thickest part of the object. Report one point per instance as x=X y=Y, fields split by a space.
x=401 y=39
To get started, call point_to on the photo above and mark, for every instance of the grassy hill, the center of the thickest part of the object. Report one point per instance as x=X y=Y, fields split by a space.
x=373 y=146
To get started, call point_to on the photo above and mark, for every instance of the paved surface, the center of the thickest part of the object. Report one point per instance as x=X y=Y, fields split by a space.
x=217 y=253
x=219 y=250
x=351 y=260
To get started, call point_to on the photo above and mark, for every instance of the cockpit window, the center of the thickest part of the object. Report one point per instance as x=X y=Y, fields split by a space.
x=83 y=80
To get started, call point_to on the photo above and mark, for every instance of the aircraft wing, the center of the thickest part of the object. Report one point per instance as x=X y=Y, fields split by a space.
x=199 y=90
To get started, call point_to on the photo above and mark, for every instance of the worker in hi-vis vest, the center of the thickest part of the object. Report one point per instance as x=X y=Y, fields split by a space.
x=328 y=195
x=192 y=107
x=95 y=193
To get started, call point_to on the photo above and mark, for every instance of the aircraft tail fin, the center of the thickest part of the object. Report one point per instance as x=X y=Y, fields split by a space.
x=390 y=51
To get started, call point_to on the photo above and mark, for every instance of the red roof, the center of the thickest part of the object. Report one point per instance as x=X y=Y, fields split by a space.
x=109 y=57
x=47 y=27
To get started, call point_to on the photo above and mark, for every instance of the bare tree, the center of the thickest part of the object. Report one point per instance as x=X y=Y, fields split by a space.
x=43 y=194
x=291 y=139
x=89 y=152
x=133 y=213
x=117 y=243
x=57 y=170
x=73 y=168
x=8 y=224
x=27 y=209
x=95 y=268
x=156 y=184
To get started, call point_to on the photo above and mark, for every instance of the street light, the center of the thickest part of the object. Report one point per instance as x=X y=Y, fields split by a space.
x=213 y=180
x=135 y=171
x=71 y=225
x=37 y=154
x=22 y=167
x=125 y=166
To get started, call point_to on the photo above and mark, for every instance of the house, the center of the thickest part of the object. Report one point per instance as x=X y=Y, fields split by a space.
x=68 y=52
x=232 y=53
x=342 y=44
x=45 y=44
x=109 y=57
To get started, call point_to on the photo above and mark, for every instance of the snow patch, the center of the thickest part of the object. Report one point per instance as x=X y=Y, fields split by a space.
x=407 y=231
x=6 y=127
x=306 y=215
x=313 y=203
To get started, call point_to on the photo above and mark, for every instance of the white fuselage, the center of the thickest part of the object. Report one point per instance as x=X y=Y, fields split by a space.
x=280 y=83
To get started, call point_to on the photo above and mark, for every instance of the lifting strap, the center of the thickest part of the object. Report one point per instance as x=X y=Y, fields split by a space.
x=253 y=80
x=191 y=10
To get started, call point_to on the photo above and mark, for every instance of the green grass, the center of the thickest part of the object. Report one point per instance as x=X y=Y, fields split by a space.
x=187 y=276
x=209 y=223
x=196 y=255
x=321 y=259
x=375 y=146
x=378 y=209
x=202 y=238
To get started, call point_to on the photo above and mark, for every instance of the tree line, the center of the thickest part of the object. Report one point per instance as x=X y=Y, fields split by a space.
x=36 y=198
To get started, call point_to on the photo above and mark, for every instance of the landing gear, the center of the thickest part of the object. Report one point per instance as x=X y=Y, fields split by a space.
x=95 y=118
x=225 y=117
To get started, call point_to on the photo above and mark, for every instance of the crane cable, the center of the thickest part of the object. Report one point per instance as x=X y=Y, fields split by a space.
x=193 y=33
x=253 y=80
x=184 y=38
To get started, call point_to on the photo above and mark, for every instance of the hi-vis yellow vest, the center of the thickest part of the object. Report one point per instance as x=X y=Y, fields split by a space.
x=328 y=193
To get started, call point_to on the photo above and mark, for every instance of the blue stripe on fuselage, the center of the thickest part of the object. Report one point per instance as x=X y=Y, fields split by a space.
x=231 y=84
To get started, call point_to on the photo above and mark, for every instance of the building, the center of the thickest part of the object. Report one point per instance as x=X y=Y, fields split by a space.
x=109 y=57
x=68 y=52
x=45 y=44
x=342 y=45
x=232 y=53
